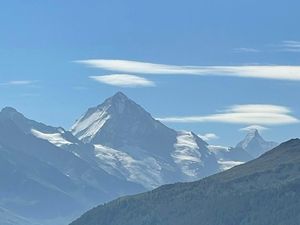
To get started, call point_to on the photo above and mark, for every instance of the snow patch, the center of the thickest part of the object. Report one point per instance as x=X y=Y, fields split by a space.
x=217 y=148
x=87 y=128
x=226 y=165
x=187 y=154
x=146 y=171
x=54 y=138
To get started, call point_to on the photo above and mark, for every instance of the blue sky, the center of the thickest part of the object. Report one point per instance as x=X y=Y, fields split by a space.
x=232 y=46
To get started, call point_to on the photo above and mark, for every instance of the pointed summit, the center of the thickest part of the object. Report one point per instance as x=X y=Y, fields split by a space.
x=251 y=135
x=118 y=102
x=120 y=122
x=254 y=132
x=140 y=148
x=119 y=96
x=255 y=144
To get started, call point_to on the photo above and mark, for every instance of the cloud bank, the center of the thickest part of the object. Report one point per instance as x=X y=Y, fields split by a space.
x=278 y=72
x=242 y=114
x=124 y=80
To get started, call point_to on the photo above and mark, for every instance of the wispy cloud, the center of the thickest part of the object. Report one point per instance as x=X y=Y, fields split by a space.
x=290 y=46
x=124 y=80
x=242 y=114
x=18 y=82
x=208 y=136
x=279 y=72
x=254 y=127
x=248 y=50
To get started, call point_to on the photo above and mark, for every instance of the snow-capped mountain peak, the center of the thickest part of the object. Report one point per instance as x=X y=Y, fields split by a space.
x=90 y=124
x=254 y=144
x=119 y=103
x=120 y=122
x=251 y=135
x=129 y=142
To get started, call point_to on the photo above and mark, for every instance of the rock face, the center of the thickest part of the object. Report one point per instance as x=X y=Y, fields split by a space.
x=262 y=191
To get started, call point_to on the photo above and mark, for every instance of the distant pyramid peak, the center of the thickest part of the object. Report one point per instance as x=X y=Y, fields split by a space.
x=252 y=134
x=255 y=144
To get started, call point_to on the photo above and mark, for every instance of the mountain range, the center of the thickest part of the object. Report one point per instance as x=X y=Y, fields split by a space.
x=112 y=150
x=262 y=191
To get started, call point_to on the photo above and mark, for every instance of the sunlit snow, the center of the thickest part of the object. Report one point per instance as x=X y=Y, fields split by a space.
x=54 y=138
x=186 y=153
x=88 y=127
x=145 y=171
x=226 y=165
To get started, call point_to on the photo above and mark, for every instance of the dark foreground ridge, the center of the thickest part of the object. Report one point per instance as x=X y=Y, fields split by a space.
x=263 y=191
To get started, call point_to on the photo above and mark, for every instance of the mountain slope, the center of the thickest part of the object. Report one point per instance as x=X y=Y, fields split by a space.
x=262 y=191
x=55 y=135
x=37 y=173
x=229 y=157
x=132 y=145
